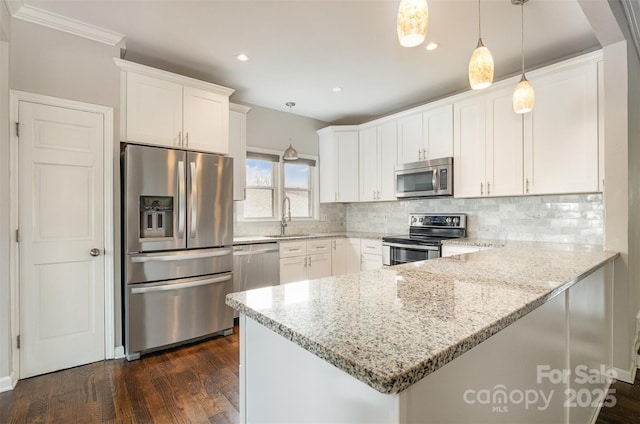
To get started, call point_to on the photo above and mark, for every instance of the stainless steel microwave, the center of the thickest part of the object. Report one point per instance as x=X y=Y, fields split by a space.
x=425 y=178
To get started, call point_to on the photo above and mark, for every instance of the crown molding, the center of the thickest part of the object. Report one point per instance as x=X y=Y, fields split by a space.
x=632 y=13
x=28 y=13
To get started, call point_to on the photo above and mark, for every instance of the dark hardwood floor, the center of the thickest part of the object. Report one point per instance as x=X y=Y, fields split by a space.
x=627 y=407
x=197 y=383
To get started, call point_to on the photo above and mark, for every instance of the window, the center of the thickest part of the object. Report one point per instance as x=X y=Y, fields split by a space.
x=261 y=185
x=297 y=186
x=269 y=180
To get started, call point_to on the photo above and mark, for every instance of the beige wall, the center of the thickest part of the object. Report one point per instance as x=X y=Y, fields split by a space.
x=271 y=129
x=53 y=63
x=5 y=239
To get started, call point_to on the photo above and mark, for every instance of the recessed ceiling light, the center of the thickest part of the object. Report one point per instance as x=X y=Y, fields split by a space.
x=337 y=89
x=432 y=46
x=242 y=57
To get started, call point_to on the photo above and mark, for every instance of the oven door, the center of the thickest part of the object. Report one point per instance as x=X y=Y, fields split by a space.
x=398 y=253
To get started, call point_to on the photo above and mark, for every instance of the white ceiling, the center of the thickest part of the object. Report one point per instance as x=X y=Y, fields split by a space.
x=299 y=50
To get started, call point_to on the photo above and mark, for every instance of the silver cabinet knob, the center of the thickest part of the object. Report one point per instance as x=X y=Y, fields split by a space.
x=94 y=252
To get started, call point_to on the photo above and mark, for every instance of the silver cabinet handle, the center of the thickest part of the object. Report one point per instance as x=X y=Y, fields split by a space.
x=181 y=199
x=309 y=261
x=179 y=138
x=488 y=188
x=94 y=252
x=186 y=138
x=168 y=258
x=305 y=261
x=377 y=195
x=178 y=286
x=481 y=189
x=194 y=198
x=527 y=185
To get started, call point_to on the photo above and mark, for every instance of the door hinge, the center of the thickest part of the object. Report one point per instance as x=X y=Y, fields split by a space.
x=18 y=129
x=17 y=235
x=18 y=341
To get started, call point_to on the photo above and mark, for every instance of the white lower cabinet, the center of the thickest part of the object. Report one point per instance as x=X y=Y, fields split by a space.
x=371 y=251
x=304 y=260
x=345 y=257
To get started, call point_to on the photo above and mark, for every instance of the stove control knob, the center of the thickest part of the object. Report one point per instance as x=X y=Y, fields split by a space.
x=448 y=220
x=456 y=220
x=413 y=219
x=421 y=219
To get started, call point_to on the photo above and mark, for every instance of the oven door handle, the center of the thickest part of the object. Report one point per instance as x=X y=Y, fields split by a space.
x=411 y=246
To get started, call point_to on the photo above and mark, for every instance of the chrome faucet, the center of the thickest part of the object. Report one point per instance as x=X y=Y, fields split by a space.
x=285 y=212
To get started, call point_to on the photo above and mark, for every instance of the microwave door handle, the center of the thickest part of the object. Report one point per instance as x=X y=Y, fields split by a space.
x=194 y=199
x=434 y=180
x=181 y=199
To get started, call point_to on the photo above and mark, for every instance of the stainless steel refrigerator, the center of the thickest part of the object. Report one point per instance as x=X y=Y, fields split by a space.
x=177 y=215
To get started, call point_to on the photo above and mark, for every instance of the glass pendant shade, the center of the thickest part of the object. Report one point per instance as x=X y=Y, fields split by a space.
x=481 y=67
x=290 y=153
x=523 y=97
x=413 y=21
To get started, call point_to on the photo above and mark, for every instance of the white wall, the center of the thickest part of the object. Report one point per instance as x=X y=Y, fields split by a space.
x=5 y=239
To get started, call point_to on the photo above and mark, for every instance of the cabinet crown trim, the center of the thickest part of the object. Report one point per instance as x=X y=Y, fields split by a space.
x=128 y=66
x=239 y=108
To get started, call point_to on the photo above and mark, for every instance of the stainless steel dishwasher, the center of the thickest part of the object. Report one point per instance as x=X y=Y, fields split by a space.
x=255 y=266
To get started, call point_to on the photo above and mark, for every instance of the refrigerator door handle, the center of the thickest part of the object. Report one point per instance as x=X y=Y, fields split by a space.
x=181 y=199
x=194 y=199
x=167 y=258
x=178 y=286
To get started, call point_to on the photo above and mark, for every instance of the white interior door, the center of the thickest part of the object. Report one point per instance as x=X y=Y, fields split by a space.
x=61 y=220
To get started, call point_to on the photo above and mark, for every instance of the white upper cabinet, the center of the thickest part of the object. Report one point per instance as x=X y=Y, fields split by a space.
x=411 y=146
x=469 y=148
x=561 y=133
x=377 y=162
x=338 y=148
x=426 y=135
x=166 y=109
x=154 y=110
x=238 y=148
x=437 y=129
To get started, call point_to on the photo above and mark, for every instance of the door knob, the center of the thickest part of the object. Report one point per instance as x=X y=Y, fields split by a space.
x=94 y=252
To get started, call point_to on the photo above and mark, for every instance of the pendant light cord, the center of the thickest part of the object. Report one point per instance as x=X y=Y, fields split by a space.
x=522 y=35
x=479 y=17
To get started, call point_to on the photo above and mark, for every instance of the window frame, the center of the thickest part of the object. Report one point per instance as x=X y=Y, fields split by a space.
x=279 y=189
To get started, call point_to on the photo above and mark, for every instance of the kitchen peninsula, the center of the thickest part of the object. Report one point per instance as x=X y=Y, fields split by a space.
x=477 y=337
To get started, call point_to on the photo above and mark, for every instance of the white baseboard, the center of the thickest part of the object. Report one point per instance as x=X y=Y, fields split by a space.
x=119 y=352
x=628 y=376
x=600 y=402
x=7 y=383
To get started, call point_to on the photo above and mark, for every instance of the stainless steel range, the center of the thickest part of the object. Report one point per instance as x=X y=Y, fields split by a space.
x=424 y=241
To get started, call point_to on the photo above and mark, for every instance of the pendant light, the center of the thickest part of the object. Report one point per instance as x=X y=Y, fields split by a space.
x=523 y=97
x=413 y=21
x=481 y=63
x=290 y=153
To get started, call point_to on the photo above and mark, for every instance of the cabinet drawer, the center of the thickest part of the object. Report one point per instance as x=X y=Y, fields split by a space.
x=318 y=246
x=293 y=248
x=372 y=247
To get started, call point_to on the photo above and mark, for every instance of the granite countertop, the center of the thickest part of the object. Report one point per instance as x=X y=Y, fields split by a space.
x=275 y=238
x=391 y=327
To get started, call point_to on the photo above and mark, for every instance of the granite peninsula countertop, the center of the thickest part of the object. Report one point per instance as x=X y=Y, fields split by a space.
x=393 y=326
x=274 y=238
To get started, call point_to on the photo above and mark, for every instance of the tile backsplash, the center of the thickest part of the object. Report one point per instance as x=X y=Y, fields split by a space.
x=332 y=220
x=576 y=218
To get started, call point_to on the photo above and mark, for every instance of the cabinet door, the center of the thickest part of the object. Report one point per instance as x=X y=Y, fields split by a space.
x=154 y=111
x=348 y=187
x=328 y=152
x=387 y=151
x=238 y=150
x=410 y=139
x=345 y=257
x=370 y=262
x=469 y=148
x=369 y=164
x=293 y=269
x=437 y=126
x=561 y=135
x=206 y=121
x=504 y=154
x=319 y=266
